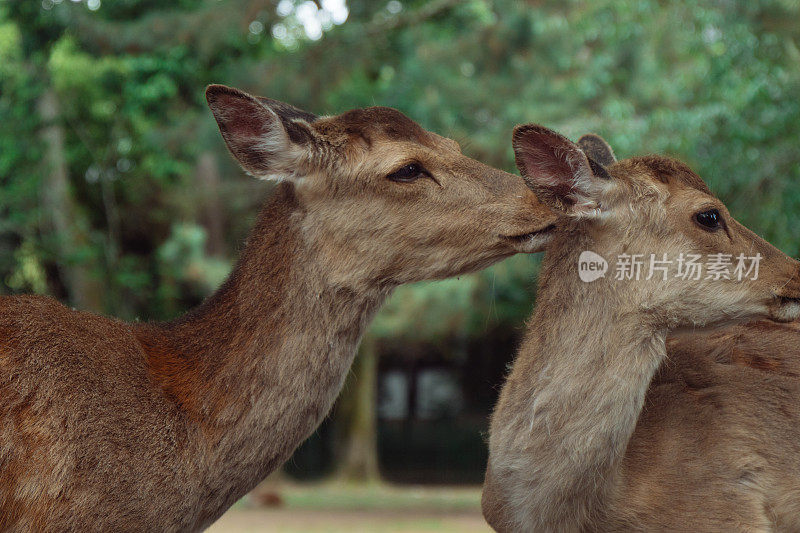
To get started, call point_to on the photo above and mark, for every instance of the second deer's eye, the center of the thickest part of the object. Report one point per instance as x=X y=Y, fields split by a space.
x=709 y=220
x=409 y=172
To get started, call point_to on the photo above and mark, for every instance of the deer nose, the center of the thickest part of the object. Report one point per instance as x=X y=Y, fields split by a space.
x=790 y=289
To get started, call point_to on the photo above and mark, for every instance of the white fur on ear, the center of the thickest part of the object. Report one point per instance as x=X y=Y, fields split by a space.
x=256 y=136
x=283 y=155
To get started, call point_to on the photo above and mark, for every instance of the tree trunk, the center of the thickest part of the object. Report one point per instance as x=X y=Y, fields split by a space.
x=212 y=215
x=360 y=451
x=62 y=217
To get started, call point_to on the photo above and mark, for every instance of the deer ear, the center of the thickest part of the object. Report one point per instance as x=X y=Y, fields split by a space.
x=269 y=139
x=595 y=147
x=557 y=170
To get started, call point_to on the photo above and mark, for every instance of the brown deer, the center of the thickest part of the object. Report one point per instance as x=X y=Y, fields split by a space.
x=106 y=425
x=713 y=450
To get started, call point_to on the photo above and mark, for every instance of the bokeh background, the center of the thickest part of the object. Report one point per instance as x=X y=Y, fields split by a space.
x=117 y=194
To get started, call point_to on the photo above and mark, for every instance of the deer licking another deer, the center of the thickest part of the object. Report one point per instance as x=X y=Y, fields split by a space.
x=584 y=437
x=106 y=425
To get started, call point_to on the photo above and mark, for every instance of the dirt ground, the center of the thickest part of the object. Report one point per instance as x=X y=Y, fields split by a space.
x=338 y=507
x=331 y=521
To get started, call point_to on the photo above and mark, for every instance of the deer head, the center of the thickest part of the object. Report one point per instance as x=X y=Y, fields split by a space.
x=658 y=212
x=384 y=200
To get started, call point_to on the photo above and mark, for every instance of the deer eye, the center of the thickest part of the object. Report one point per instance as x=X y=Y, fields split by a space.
x=407 y=173
x=709 y=220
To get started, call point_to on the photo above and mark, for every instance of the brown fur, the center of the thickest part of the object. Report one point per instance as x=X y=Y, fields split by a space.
x=580 y=439
x=667 y=170
x=106 y=425
x=717 y=444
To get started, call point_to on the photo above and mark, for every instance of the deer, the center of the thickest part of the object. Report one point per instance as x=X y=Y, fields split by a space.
x=599 y=425
x=107 y=425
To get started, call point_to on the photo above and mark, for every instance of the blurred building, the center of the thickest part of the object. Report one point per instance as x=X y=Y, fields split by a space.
x=433 y=413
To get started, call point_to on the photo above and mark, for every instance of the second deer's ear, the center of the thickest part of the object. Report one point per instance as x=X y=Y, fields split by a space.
x=557 y=170
x=595 y=147
x=269 y=139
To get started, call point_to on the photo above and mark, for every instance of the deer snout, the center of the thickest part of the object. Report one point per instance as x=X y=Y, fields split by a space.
x=533 y=224
x=786 y=305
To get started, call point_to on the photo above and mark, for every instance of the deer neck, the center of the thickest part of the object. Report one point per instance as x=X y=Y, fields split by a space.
x=574 y=398
x=259 y=364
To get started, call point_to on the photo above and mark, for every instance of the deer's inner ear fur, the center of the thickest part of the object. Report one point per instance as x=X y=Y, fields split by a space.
x=287 y=112
x=268 y=138
x=596 y=148
x=557 y=170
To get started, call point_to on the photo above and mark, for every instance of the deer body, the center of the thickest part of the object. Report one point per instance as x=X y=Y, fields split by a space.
x=583 y=438
x=585 y=397
x=638 y=440
x=717 y=444
x=216 y=399
x=106 y=425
